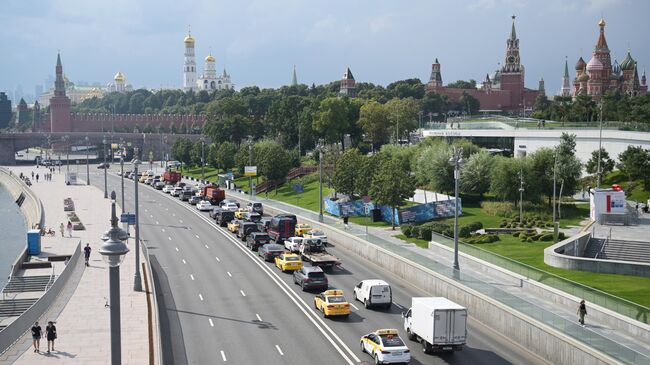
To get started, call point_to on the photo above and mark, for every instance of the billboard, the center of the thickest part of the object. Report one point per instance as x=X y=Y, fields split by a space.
x=250 y=170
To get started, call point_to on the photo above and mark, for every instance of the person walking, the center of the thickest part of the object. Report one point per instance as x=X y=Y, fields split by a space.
x=582 y=312
x=50 y=333
x=61 y=228
x=87 y=250
x=36 y=336
x=32 y=175
x=69 y=229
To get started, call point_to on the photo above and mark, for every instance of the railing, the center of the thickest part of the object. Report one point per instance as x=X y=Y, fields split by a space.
x=606 y=300
x=502 y=122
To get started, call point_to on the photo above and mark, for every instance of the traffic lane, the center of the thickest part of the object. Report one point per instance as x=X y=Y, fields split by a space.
x=309 y=340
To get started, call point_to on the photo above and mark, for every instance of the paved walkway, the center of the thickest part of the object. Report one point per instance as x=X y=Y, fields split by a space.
x=83 y=325
x=509 y=292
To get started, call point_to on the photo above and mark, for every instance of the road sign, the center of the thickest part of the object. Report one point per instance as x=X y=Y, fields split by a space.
x=366 y=208
x=250 y=170
x=127 y=218
x=298 y=188
x=366 y=199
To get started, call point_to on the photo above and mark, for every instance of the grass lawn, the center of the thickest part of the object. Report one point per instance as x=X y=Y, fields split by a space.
x=624 y=286
x=633 y=189
x=307 y=199
x=418 y=242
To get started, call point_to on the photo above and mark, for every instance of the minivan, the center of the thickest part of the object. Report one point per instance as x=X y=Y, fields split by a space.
x=374 y=293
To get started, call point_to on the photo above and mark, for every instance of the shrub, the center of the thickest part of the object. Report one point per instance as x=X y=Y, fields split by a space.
x=546 y=237
x=475 y=226
x=500 y=209
x=415 y=231
x=516 y=234
x=406 y=229
x=464 y=231
x=561 y=236
x=425 y=233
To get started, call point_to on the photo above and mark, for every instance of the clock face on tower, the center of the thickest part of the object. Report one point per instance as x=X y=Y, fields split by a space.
x=511 y=59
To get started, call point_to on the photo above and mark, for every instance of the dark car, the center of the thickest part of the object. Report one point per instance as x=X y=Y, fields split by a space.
x=185 y=195
x=269 y=251
x=310 y=277
x=214 y=212
x=255 y=207
x=224 y=216
x=281 y=228
x=195 y=199
x=256 y=240
x=103 y=165
x=290 y=216
x=246 y=228
x=264 y=224
x=223 y=202
x=159 y=185
x=253 y=217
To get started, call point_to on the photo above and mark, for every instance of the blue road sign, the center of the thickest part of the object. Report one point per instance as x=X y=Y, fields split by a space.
x=127 y=218
x=298 y=188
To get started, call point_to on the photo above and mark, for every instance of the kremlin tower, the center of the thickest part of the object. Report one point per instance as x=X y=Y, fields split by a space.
x=189 y=69
x=59 y=103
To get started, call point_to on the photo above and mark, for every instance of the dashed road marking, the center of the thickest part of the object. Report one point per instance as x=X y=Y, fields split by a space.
x=197 y=236
x=157 y=223
x=176 y=249
x=229 y=274
x=242 y=293
x=169 y=238
x=162 y=229
x=180 y=221
x=184 y=262
x=217 y=257
x=150 y=215
x=279 y=350
x=354 y=306
x=200 y=296
x=211 y=323
x=206 y=246
x=258 y=317
x=223 y=356
x=191 y=276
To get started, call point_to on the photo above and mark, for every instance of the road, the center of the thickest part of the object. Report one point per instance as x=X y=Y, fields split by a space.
x=220 y=303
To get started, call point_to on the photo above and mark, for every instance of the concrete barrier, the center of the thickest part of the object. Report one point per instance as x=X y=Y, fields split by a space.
x=22 y=324
x=567 y=254
x=157 y=344
x=531 y=334
x=564 y=299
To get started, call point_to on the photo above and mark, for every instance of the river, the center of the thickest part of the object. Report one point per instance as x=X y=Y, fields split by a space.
x=14 y=233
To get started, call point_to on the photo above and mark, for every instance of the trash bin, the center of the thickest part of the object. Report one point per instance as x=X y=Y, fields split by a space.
x=376 y=215
x=33 y=242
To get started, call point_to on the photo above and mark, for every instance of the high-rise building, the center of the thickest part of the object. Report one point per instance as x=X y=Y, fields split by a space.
x=5 y=110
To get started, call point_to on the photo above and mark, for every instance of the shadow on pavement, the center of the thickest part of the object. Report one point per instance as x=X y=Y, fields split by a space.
x=258 y=323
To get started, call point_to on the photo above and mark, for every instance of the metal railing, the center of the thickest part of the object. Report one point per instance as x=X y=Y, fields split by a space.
x=502 y=122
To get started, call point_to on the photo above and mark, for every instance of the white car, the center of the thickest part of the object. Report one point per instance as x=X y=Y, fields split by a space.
x=317 y=234
x=168 y=189
x=204 y=205
x=230 y=206
x=293 y=243
x=177 y=191
x=386 y=347
x=374 y=293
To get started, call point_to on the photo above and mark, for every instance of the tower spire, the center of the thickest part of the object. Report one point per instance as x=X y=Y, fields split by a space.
x=513 y=33
x=294 y=78
x=566 y=67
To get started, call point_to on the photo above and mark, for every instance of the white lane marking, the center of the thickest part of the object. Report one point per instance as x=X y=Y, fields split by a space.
x=211 y=323
x=229 y=274
x=162 y=229
x=157 y=222
x=398 y=306
x=173 y=214
x=176 y=249
x=184 y=262
x=258 y=317
x=279 y=350
x=217 y=257
x=145 y=209
x=336 y=342
x=206 y=246
x=180 y=220
x=192 y=277
x=166 y=208
x=169 y=238
x=197 y=236
x=354 y=306
x=223 y=356
x=200 y=296
x=242 y=293
x=150 y=215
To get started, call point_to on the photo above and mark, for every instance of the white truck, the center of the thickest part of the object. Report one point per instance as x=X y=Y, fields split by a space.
x=437 y=323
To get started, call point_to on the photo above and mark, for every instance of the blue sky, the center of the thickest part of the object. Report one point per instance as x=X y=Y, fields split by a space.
x=260 y=41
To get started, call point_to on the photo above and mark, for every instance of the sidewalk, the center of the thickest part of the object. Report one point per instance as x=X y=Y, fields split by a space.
x=83 y=325
x=530 y=303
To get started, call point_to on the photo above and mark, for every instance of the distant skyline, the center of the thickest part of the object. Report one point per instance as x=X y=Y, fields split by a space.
x=258 y=42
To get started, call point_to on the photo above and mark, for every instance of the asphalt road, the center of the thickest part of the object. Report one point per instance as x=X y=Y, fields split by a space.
x=220 y=302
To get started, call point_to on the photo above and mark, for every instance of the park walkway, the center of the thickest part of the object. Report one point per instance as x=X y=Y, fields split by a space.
x=83 y=323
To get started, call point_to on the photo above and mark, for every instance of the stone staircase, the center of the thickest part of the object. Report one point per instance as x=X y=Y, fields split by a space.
x=15 y=307
x=21 y=284
x=593 y=247
x=637 y=251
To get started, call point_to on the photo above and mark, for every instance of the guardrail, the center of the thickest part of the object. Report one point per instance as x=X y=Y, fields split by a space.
x=620 y=305
x=22 y=324
x=157 y=350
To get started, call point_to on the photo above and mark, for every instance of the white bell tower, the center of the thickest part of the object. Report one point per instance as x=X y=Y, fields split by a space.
x=189 y=69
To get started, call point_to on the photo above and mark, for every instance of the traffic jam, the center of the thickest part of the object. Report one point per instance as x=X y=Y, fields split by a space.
x=298 y=249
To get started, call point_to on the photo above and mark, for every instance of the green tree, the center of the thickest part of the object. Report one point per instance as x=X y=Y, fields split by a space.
x=606 y=163
x=331 y=122
x=569 y=168
x=226 y=155
x=505 y=178
x=475 y=175
x=374 y=122
x=433 y=168
x=366 y=171
x=181 y=150
x=542 y=163
x=461 y=84
x=272 y=160
x=469 y=104
x=347 y=171
x=403 y=116
x=634 y=163
x=391 y=185
x=409 y=88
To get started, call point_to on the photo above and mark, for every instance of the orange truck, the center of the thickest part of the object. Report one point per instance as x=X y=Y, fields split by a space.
x=213 y=193
x=171 y=177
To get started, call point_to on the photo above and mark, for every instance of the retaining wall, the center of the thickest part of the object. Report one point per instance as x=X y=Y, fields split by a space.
x=533 y=335
x=567 y=254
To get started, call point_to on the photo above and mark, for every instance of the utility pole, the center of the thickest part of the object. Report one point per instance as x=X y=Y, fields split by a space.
x=202 y=159
x=320 y=180
x=521 y=196
x=137 y=283
x=87 y=163
x=105 y=172
x=122 y=170
x=456 y=160
x=555 y=228
x=600 y=141
x=250 y=163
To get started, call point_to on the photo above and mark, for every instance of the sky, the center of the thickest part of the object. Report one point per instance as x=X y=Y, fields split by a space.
x=259 y=41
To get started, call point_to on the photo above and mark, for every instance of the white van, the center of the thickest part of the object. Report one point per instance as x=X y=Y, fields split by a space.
x=374 y=293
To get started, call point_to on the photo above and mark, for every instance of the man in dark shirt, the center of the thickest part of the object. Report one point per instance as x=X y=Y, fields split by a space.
x=36 y=336
x=87 y=250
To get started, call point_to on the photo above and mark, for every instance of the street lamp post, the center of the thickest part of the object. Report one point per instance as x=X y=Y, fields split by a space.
x=250 y=163
x=202 y=159
x=600 y=141
x=87 y=163
x=137 y=283
x=456 y=160
x=105 y=172
x=555 y=226
x=122 y=171
x=113 y=252
x=521 y=196
x=66 y=138
x=320 y=180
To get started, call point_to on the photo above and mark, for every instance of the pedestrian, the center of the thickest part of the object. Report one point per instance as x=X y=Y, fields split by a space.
x=61 y=228
x=637 y=207
x=32 y=175
x=345 y=220
x=87 y=250
x=36 y=177
x=36 y=336
x=69 y=229
x=50 y=333
x=582 y=312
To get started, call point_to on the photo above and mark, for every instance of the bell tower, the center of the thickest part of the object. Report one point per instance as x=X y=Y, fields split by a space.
x=60 y=103
x=512 y=72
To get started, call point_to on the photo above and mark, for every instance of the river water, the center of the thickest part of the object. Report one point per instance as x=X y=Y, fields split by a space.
x=13 y=233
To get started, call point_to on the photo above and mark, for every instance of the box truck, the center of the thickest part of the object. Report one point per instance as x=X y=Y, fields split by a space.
x=437 y=323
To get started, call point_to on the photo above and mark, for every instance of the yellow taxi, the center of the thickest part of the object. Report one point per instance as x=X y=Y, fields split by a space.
x=386 y=347
x=241 y=213
x=233 y=226
x=302 y=228
x=288 y=261
x=332 y=303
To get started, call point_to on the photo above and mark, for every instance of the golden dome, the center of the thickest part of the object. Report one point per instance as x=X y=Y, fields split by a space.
x=119 y=76
x=210 y=58
x=189 y=41
x=601 y=23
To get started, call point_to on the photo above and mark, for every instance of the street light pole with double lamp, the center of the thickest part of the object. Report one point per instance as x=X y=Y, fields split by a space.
x=457 y=161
